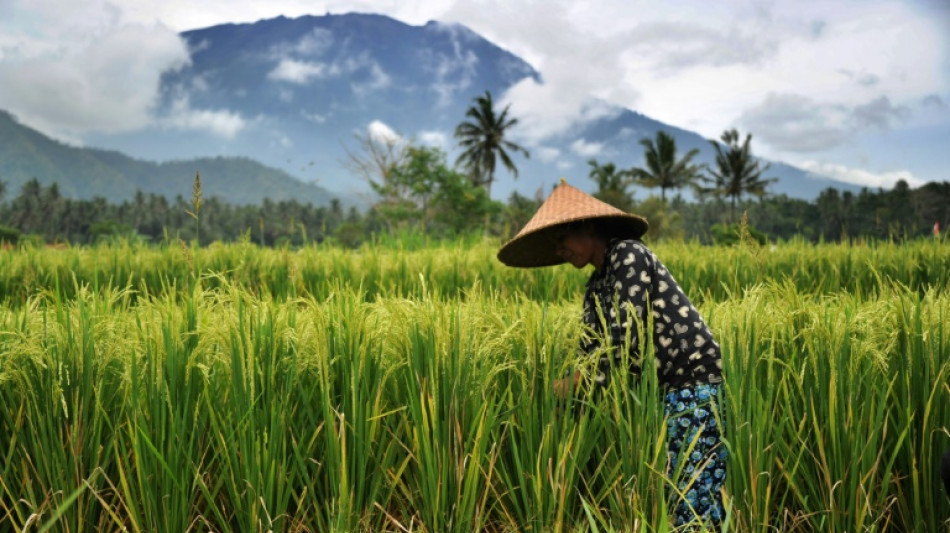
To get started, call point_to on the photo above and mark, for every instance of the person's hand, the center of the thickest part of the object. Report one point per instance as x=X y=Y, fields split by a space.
x=563 y=387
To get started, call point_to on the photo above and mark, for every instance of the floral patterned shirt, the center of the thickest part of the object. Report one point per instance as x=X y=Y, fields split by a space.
x=631 y=283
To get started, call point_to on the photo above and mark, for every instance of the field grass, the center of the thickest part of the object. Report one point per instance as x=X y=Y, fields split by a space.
x=239 y=389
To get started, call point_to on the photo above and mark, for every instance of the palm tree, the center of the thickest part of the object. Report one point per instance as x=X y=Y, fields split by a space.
x=663 y=169
x=738 y=172
x=483 y=141
x=611 y=185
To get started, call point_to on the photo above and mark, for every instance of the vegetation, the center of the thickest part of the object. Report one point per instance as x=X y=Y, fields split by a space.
x=42 y=214
x=408 y=386
x=663 y=168
x=737 y=173
x=482 y=139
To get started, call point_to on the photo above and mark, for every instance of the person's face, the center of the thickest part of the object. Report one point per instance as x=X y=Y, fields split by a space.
x=577 y=247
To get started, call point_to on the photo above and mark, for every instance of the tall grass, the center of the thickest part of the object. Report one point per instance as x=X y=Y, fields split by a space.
x=450 y=269
x=220 y=408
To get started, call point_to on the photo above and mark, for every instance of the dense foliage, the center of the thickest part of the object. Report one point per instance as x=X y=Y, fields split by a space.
x=444 y=205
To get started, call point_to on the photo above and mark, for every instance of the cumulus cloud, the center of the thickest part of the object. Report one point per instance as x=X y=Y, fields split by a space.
x=800 y=124
x=437 y=139
x=861 y=177
x=379 y=131
x=586 y=149
x=100 y=76
x=299 y=72
x=222 y=123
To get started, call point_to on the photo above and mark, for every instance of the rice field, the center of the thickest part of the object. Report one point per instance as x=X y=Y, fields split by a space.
x=409 y=388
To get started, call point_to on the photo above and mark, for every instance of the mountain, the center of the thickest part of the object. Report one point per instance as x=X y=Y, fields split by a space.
x=292 y=93
x=86 y=173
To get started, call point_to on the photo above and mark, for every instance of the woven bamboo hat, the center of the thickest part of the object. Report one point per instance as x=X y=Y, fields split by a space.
x=534 y=245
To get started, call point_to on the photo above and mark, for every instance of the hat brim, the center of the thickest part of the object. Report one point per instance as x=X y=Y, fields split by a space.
x=538 y=249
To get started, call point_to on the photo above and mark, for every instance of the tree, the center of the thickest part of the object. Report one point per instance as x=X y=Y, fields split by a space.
x=483 y=140
x=424 y=190
x=611 y=185
x=737 y=172
x=663 y=169
x=375 y=157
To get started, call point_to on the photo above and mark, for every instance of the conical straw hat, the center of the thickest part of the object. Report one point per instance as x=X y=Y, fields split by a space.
x=534 y=246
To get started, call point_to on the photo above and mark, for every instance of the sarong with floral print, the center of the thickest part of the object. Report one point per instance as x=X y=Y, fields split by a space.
x=697 y=464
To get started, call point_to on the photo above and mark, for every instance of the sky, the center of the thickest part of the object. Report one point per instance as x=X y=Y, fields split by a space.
x=858 y=90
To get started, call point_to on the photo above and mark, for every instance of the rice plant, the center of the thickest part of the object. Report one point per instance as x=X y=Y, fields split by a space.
x=386 y=390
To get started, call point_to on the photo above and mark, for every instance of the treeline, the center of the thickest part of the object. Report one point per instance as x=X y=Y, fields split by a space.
x=454 y=208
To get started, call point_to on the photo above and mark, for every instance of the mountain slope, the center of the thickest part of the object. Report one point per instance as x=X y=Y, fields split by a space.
x=86 y=173
x=292 y=93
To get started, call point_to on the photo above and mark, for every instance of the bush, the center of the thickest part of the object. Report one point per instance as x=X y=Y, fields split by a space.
x=9 y=235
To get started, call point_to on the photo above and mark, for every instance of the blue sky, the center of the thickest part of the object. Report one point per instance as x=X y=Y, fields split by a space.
x=856 y=90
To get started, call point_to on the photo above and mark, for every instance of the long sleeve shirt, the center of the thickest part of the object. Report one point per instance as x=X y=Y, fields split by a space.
x=631 y=283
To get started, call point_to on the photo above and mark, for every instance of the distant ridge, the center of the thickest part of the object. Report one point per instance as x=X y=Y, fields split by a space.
x=85 y=173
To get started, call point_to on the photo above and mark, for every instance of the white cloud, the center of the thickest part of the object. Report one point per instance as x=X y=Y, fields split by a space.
x=317 y=118
x=380 y=132
x=861 y=177
x=374 y=78
x=455 y=71
x=546 y=154
x=67 y=71
x=586 y=149
x=225 y=124
x=299 y=72
x=434 y=138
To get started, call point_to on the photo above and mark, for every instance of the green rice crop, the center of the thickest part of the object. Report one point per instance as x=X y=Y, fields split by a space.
x=384 y=390
x=451 y=269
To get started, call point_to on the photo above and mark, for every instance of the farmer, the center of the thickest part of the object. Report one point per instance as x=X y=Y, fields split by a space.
x=629 y=291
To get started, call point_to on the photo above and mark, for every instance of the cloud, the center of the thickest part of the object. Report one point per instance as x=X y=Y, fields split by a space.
x=933 y=101
x=455 y=71
x=312 y=44
x=546 y=154
x=299 y=72
x=380 y=132
x=861 y=177
x=314 y=117
x=668 y=47
x=434 y=138
x=69 y=76
x=586 y=149
x=797 y=123
x=879 y=113
x=221 y=123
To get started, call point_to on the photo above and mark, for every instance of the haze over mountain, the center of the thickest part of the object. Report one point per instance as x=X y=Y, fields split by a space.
x=292 y=93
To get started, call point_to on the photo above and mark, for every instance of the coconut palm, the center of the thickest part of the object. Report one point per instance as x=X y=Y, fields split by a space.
x=611 y=185
x=737 y=172
x=483 y=140
x=663 y=169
